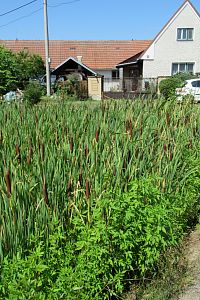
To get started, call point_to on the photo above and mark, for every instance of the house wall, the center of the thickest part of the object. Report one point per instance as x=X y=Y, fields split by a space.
x=105 y=73
x=109 y=82
x=168 y=50
x=108 y=73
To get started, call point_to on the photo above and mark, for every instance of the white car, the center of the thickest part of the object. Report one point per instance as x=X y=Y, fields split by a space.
x=191 y=88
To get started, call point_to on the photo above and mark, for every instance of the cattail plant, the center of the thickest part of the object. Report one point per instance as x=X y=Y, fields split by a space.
x=18 y=154
x=97 y=134
x=1 y=137
x=69 y=188
x=86 y=151
x=87 y=189
x=43 y=151
x=168 y=119
x=8 y=183
x=71 y=144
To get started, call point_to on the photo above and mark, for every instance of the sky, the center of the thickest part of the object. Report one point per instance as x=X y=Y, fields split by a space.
x=87 y=19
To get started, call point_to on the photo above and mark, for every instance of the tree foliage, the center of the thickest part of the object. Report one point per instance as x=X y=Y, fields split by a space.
x=17 y=68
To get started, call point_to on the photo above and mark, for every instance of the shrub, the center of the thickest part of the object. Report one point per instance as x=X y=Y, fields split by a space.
x=73 y=88
x=33 y=92
x=168 y=86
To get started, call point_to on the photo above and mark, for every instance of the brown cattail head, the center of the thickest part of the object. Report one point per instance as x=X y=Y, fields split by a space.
x=71 y=144
x=141 y=130
x=129 y=127
x=43 y=151
x=168 y=119
x=80 y=179
x=86 y=151
x=1 y=137
x=171 y=156
x=8 y=183
x=21 y=117
x=69 y=188
x=97 y=134
x=165 y=148
x=31 y=150
x=18 y=154
x=87 y=191
x=45 y=192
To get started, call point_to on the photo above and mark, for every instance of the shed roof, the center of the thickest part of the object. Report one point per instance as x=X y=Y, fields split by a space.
x=131 y=60
x=95 y=54
x=71 y=62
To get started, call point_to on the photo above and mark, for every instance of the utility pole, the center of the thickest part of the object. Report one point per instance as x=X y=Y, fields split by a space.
x=47 y=60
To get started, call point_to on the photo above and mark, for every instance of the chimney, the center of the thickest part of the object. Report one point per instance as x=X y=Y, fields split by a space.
x=79 y=58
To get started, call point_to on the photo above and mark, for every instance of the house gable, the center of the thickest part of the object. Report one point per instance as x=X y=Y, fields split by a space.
x=149 y=54
x=176 y=47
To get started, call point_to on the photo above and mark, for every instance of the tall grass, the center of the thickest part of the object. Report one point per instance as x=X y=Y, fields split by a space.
x=56 y=160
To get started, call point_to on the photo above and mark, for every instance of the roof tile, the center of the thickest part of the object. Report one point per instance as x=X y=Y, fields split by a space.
x=95 y=54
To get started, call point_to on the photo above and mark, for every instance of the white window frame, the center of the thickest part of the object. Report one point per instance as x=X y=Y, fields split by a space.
x=187 y=33
x=182 y=63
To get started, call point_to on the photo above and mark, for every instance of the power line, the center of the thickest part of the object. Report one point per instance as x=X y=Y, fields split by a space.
x=23 y=17
x=35 y=11
x=63 y=3
x=17 y=8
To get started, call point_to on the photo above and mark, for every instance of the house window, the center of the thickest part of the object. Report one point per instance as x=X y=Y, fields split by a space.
x=185 y=34
x=182 y=68
x=115 y=74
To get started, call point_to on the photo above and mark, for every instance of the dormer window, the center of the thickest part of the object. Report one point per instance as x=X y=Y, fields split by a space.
x=185 y=34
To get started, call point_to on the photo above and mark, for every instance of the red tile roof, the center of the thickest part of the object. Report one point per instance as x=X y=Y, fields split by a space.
x=95 y=54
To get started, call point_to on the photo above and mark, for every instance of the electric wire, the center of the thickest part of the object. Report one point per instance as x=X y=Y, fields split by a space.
x=17 y=8
x=63 y=3
x=23 y=17
x=35 y=11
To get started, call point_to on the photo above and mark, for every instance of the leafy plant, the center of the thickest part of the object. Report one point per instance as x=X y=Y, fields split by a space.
x=33 y=92
x=168 y=86
x=17 y=68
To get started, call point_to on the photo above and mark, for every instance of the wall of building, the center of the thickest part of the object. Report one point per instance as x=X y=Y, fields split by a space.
x=108 y=73
x=168 y=50
x=105 y=73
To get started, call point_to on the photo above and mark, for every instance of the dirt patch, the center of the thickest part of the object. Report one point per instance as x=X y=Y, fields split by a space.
x=192 y=291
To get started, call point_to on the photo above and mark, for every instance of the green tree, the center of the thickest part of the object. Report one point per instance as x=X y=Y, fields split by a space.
x=7 y=79
x=28 y=66
x=17 y=68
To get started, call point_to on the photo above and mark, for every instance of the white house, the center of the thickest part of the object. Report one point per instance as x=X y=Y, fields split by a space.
x=176 y=48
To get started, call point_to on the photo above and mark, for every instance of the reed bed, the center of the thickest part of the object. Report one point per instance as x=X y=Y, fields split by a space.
x=58 y=162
